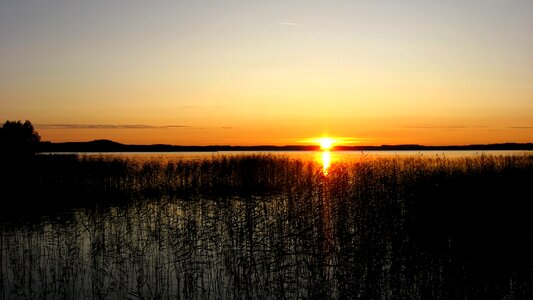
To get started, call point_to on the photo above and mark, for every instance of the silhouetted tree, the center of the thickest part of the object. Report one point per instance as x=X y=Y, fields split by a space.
x=18 y=139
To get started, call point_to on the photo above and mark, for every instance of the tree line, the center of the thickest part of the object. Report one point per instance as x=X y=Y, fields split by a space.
x=18 y=139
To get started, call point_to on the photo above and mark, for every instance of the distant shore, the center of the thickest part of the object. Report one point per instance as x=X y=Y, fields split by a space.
x=111 y=146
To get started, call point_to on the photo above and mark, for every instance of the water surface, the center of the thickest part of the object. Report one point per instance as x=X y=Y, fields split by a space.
x=409 y=225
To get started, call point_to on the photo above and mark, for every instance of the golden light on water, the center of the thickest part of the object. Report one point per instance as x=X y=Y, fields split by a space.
x=326 y=144
x=326 y=161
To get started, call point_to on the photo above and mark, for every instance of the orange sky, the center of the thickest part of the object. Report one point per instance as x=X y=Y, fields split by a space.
x=276 y=72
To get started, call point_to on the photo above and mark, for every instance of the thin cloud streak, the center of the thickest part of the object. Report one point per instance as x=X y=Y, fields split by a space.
x=444 y=127
x=105 y=126
x=124 y=126
x=289 y=23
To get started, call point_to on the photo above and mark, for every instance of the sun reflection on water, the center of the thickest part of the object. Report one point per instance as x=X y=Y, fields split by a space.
x=326 y=161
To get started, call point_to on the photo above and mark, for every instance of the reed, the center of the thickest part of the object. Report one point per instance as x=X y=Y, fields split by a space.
x=265 y=226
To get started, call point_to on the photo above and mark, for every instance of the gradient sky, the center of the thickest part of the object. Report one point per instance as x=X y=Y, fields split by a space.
x=269 y=72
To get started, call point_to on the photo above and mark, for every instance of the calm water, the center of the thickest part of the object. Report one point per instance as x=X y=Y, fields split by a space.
x=349 y=234
x=335 y=156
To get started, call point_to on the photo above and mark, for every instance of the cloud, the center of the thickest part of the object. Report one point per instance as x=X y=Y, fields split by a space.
x=105 y=126
x=124 y=126
x=444 y=127
x=174 y=126
x=288 y=23
x=521 y=127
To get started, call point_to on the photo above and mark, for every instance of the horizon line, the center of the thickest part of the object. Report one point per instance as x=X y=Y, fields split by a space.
x=292 y=145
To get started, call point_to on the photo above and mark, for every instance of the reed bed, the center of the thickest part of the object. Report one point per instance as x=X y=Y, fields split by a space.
x=266 y=226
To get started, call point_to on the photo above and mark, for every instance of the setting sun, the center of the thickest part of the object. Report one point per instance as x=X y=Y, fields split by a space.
x=326 y=143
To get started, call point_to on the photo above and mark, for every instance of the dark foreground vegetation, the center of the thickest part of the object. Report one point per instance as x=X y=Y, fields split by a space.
x=265 y=226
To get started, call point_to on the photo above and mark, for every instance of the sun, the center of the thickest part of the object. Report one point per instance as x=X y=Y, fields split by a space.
x=326 y=143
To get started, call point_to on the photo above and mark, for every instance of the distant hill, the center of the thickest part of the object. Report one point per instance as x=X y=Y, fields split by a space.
x=503 y=146
x=111 y=146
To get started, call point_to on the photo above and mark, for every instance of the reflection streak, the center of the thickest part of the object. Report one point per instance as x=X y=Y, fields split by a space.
x=326 y=161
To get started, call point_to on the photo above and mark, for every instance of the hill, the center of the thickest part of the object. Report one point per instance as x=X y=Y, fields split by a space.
x=111 y=146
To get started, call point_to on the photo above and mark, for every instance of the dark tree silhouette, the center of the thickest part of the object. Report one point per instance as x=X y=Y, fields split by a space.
x=18 y=139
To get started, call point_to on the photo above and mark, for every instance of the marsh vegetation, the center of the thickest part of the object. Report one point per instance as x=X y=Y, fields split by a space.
x=267 y=226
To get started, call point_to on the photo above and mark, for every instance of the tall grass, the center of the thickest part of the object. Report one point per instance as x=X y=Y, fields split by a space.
x=264 y=226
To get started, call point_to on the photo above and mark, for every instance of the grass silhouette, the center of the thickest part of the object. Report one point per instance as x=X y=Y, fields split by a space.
x=268 y=226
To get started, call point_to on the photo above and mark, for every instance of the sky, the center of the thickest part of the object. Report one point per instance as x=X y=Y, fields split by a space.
x=272 y=72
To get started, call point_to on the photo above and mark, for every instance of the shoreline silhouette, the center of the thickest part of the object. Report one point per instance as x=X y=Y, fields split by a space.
x=112 y=146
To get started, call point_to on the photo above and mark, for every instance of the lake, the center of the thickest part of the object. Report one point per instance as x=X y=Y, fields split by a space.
x=325 y=158
x=382 y=225
x=340 y=154
x=334 y=156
